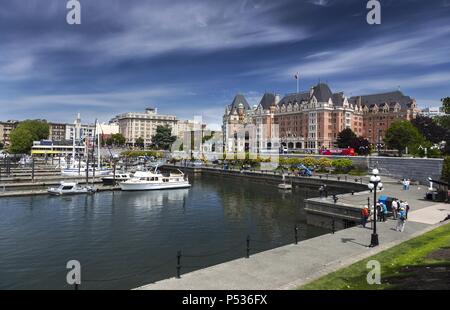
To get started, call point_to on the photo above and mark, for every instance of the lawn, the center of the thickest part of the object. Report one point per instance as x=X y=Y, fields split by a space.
x=420 y=263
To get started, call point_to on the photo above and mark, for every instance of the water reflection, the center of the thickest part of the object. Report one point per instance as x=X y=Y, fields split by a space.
x=117 y=233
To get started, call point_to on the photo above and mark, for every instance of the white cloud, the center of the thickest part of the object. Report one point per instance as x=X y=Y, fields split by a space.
x=386 y=52
x=158 y=27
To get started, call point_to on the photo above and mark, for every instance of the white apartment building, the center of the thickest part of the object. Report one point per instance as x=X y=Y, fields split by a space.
x=134 y=125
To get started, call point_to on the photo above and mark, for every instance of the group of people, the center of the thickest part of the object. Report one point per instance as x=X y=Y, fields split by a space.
x=399 y=208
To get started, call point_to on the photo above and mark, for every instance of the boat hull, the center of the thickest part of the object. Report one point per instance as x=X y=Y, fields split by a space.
x=149 y=186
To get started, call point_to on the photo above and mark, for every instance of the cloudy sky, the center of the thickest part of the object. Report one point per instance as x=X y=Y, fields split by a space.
x=190 y=57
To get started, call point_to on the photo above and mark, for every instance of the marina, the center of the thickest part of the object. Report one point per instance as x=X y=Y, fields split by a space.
x=135 y=236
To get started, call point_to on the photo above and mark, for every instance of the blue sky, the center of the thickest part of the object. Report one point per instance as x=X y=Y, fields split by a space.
x=190 y=57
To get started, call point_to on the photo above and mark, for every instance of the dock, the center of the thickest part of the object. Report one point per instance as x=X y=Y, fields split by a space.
x=291 y=266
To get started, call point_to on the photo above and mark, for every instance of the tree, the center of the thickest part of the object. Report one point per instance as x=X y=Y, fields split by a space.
x=361 y=145
x=38 y=128
x=21 y=141
x=446 y=104
x=25 y=133
x=116 y=139
x=403 y=134
x=139 y=142
x=163 y=138
x=345 y=138
x=430 y=129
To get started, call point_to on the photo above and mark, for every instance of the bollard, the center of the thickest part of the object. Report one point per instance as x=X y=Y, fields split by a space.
x=345 y=178
x=179 y=265
x=353 y=193
x=338 y=178
x=333 y=227
x=248 y=247
x=296 y=234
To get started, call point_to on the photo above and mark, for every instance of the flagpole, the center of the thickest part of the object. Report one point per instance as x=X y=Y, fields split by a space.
x=297 y=78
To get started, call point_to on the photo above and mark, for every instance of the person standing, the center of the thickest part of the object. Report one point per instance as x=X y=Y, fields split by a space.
x=394 y=208
x=364 y=216
x=404 y=184
x=406 y=209
x=408 y=182
x=401 y=221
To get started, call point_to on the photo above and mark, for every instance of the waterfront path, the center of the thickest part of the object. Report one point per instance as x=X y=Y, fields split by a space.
x=293 y=265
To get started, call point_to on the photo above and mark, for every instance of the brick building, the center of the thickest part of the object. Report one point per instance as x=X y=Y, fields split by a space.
x=311 y=120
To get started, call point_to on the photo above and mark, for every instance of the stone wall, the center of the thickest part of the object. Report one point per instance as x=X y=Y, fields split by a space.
x=418 y=169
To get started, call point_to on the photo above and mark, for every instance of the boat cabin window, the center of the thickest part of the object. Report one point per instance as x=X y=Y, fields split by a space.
x=67 y=187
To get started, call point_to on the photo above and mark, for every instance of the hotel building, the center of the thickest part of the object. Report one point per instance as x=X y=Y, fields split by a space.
x=143 y=125
x=309 y=121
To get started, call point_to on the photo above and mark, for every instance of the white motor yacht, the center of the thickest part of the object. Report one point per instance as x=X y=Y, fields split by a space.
x=153 y=180
x=70 y=188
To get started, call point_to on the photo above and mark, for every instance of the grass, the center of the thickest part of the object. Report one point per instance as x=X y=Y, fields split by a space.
x=396 y=263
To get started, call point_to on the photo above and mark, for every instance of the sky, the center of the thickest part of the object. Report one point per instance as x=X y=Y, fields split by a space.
x=190 y=57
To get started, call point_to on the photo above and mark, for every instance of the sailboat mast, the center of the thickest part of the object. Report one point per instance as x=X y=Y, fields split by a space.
x=98 y=145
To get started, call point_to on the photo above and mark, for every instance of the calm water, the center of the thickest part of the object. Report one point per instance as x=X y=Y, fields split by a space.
x=127 y=239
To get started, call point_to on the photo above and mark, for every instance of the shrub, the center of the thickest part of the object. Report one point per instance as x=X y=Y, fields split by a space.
x=141 y=153
x=324 y=163
x=342 y=165
x=446 y=170
x=309 y=161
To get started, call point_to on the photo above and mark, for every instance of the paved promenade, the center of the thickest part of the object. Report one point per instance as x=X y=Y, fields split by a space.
x=290 y=266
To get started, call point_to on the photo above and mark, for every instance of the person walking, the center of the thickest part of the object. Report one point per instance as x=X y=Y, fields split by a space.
x=408 y=183
x=379 y=212
x=401 y=221
x=406 y=209
x=384 y=211
x=394 y=208
x=364 y=216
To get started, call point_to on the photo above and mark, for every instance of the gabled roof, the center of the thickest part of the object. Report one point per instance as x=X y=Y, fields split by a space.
x=322 y=92
x=382 y=98
x=338 y=99
x=292 y=98
x=267 y=101
x=239 y=99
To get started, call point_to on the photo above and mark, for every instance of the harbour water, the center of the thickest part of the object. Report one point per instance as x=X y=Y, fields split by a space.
x=127 y=239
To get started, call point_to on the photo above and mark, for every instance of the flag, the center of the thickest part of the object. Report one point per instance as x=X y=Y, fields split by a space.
x=296 y=76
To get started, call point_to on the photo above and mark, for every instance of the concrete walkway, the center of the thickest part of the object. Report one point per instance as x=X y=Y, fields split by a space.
x=290 y=266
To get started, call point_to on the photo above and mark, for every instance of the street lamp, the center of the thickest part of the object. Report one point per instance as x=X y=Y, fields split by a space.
x=375 y=183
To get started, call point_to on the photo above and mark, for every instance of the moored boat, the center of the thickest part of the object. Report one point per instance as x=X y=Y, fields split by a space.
x=119 y=177
x=70 y=188
x=154 y=180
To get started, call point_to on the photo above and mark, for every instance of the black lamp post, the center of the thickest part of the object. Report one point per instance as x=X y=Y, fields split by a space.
x=375 y=183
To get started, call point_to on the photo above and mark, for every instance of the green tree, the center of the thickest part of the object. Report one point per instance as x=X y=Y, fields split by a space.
x=446 y=104
x=431 y=130
x=139 y=142
x=163 y=138
x=25 y=133
x=345 y=138
x=38 y=128
x=403 y=134
x=21 y=141
x=116 y=139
